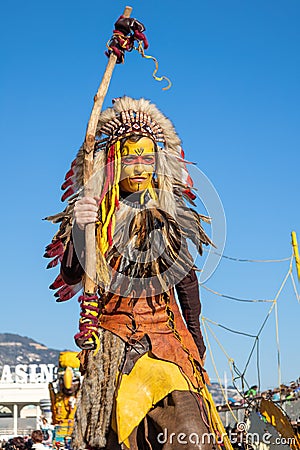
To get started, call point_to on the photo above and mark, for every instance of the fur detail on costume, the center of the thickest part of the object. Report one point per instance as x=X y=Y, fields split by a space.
x=95 y=401
x=149 y=247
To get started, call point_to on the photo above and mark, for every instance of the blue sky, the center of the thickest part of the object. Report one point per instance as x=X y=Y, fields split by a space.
x=235 y=102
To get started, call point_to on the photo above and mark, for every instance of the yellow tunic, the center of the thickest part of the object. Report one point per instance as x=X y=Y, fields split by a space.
x=149 y=381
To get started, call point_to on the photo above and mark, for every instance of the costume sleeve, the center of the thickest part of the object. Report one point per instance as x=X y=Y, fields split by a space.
x=189 y=298
x=71 y=268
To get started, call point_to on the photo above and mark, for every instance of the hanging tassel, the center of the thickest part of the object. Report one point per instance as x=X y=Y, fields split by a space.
x=110 y=199
x=140 y=49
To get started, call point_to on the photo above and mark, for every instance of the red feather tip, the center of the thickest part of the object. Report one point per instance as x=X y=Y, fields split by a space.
x=57 y=283
x=69 y=174
x=67 y=183
x=65 y=293
x=55 y=250
x=54 y=262
x=190 y=194
x=67 y=194
x=53 y=244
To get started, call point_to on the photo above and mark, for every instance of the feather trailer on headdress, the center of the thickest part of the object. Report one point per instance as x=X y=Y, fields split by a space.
x=56 y=248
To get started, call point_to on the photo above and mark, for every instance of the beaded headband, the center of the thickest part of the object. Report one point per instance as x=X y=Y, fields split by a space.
x=128 y=123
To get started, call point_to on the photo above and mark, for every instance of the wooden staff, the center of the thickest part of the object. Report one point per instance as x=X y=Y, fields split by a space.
x=89 y=142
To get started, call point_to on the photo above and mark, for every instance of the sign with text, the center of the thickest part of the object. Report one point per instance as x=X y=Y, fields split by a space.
x=27 y=373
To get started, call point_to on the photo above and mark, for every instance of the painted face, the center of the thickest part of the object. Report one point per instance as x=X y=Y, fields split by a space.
x=138 y=161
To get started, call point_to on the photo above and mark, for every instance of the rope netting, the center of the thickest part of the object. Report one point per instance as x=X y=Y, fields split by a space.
x=238 y=375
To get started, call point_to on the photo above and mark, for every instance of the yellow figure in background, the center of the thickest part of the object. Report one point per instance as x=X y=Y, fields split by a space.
x=63 y=393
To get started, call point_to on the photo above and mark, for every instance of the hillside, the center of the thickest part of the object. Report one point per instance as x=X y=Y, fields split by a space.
x=15 y=349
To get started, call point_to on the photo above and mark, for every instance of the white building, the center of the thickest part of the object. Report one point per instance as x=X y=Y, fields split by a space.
x=24 y=392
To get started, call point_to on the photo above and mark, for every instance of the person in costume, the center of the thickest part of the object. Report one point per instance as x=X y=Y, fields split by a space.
x=143 y=351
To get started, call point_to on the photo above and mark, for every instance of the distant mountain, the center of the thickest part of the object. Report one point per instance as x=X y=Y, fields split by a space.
x=15 y=349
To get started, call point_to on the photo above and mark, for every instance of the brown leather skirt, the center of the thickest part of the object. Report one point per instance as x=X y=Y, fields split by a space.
x=178 y=422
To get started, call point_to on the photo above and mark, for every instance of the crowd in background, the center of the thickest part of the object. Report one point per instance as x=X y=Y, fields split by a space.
x=282 y=393
x=38 y=440
x=32 y=442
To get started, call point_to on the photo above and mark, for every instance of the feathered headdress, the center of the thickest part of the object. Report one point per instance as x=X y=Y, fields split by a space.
x=170 y=197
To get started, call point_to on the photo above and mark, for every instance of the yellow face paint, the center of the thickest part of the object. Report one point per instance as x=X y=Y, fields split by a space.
x=138 y=161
